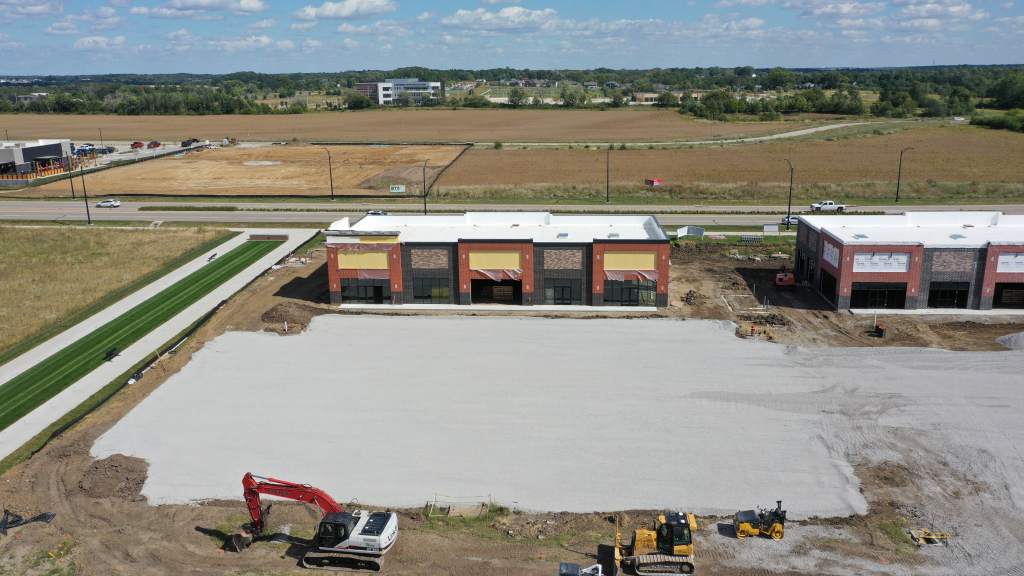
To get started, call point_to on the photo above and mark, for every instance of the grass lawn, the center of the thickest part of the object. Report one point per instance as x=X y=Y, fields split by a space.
x=52 y=278
x=45 y=380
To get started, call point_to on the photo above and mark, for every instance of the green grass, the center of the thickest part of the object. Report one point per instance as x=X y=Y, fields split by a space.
x=45 y=380
x=52 y=330
x=895 y=532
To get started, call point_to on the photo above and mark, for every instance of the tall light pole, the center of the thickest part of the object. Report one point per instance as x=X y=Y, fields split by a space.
x=789 y=210
x=608 y=177
x=101 y=139
x=71 y=177
x=425 y=186
x=330 y=171
x=899 y=175
x=86 y=193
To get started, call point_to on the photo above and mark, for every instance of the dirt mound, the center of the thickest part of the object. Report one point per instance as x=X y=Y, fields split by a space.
x=297 y=316
x=772 y=319
x=118 y=476
x=689 y=249
x=694 y=298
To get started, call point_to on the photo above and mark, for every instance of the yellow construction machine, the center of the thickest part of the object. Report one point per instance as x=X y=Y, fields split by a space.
x=667 y=549
x=924 y=536
x=763 y=523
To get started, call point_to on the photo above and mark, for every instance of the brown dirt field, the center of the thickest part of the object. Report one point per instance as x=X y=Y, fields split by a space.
x=954 y=154
x=301 y=170
x=36 y=266
x=392 y=125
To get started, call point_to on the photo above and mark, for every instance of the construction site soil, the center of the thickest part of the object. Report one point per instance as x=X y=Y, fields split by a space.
x=289 y=170
x=105 y=526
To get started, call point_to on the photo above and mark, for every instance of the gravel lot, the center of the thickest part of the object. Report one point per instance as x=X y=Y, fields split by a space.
x=567 y=414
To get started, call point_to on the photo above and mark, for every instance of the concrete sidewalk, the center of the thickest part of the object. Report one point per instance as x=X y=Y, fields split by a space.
x=19 y=433
x=385 y=308
x=937 y=312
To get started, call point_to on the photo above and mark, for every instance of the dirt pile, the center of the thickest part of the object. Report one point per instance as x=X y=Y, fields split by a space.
x=694 y=298
x=297 y=316
x=118 y=476
x=772 y=319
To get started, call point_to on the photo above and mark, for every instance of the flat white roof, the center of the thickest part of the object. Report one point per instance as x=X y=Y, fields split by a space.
x=932 y=229
x=535 y=226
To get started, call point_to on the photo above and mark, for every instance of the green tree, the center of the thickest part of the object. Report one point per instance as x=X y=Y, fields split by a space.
x=779 y=78
x=517 y=97
x=357 y=101
x=405 y=99
x=933 y=107
x=667 y=100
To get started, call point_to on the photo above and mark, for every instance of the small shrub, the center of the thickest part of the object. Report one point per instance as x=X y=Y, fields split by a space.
x=497 y=145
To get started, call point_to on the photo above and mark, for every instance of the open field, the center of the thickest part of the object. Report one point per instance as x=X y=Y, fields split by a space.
x=295 y=169
x=391 y=125
x=50 y=275
x=26 y=391
x=952 y=154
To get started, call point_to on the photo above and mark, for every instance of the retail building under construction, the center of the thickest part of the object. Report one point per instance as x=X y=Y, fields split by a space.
x=525 y=258
x=916 y=260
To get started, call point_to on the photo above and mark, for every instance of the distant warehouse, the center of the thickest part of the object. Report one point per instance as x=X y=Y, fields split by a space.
x=915 y=260
x=522 y=258
x=387 y=92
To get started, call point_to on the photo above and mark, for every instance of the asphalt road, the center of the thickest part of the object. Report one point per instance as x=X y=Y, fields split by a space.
x=75 y=211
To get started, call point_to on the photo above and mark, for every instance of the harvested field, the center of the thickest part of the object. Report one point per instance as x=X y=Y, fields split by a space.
x=394 y=125
x=292 y=170
x=954 y=154
x=47 y=275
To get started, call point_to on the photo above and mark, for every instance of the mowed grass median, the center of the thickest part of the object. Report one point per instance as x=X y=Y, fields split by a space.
x=45 y=380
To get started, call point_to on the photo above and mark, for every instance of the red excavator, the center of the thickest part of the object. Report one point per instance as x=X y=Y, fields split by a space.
x=785 y=280
x=343 y=541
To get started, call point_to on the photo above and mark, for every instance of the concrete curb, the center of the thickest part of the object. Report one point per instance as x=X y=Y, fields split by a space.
x=18 y=434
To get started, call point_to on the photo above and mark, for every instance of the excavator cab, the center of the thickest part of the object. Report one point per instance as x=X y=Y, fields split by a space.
x=335 y=528
x=674 y=535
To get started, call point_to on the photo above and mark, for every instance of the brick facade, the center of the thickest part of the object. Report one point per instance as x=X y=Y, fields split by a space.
x=334 y=274
x=992 y=277
x=430 y=261
x=563 y=262
x=598 y=276
x=953 y=265
x=525 y=248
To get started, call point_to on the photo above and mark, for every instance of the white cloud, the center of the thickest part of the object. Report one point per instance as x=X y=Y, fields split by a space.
x=105 y=18
x=262 y=24
x=1007 y=6
x=98 y=42
x=734 y=3
x=381 y=28
x=825 y=9
x=285 y=45
x=309 y=45
x=61 y=28
x=243 y=44
x=941 y=12
x=346 y=10
x=181 y=35
x=303 y=27
x=424 y=17
x=859 y=23
x=119 y=3
x=507 y=20
x=350 y=43
x=493 y=2
x=218 y=5
x=30 y=8
x=5 y=37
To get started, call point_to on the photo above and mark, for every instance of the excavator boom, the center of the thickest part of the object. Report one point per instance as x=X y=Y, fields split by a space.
x=253 y=486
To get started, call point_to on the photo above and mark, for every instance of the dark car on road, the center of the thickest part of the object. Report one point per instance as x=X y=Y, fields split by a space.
x=153 y=144
x=186 y=143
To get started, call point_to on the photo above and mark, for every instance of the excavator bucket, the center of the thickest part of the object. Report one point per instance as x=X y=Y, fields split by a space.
x=247 y=532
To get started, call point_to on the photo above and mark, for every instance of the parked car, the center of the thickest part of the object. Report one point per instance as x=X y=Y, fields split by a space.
x=111 y=149
x=138 y=144
x=186 y=143
x=790 y=220
x=109 y=203
x=195 y=140
x=376 y=213
x=153 y=144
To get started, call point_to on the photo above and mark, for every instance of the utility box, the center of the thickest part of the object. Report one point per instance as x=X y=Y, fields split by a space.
x=650 y=182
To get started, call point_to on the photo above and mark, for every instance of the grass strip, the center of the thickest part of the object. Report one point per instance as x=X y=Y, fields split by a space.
x=45 y=380
x=188 y=208
x=33 y=340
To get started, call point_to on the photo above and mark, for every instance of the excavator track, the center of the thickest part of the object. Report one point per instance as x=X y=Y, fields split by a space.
x=659 y=564
x=341 y=562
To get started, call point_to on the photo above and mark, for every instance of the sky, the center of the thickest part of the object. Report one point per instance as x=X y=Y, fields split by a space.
x=277 y=36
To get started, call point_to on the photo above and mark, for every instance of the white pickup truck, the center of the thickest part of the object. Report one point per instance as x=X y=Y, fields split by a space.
x=827 y=206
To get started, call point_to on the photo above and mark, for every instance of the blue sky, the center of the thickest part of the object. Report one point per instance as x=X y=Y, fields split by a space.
x=217 y=36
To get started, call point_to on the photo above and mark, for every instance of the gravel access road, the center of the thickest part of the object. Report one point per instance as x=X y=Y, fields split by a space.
x=567 y=414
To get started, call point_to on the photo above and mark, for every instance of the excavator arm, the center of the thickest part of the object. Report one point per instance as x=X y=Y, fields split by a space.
x=253 y=486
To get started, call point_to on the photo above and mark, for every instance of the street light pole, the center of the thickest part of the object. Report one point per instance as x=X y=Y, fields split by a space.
x=608 y=177
x=102 y=145
x=330 y=171
x=86 y=193
x=71 y=177
x=425 y=186
x=789 y=210
x=899 y=175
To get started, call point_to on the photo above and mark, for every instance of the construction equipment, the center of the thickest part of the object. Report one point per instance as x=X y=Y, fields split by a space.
x=571 y=569
x=924 y=536
x=763 y=523
x=785 y=280
x=342 y=541
x=667 y=549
